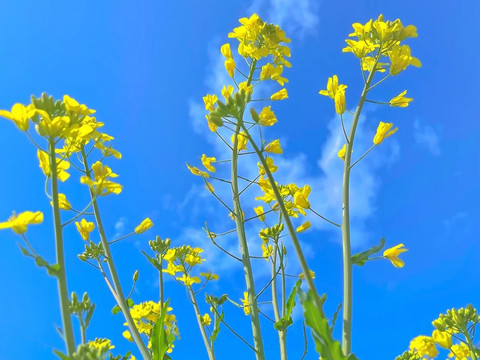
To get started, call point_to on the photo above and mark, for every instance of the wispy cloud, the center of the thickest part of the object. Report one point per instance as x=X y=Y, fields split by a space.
x=426 y=136
x=120 y=227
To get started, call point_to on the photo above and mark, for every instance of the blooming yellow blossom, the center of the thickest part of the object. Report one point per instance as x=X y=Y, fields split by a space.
x=144 y=226
x=260 y=213
x=205 y=320
x=100 y=183
x=306 y=225
x=209 y=276
x=280 y=95
x=101 y=344
x=246 y=303
x=274 y=147
x=197 y=171
x=245 y=87
x=340 y=105
x=341 y=153
x=85 y=228
x=62 y=202
x=73 y=105
x=424 y=346
x=20 y=115
x=267 y=117
x=126 y=334
x=267 y=251
x=383 y=131
x=460 y=352
x=392 y=255
x=52 y=127
x=400 y=58
x=301 y=197
x=242 y=141
x=62 y=166
x=227 y=91
x=400 y=100
x=273 y=168
x=442 y=338
x=332 y=87
x=207 y=162
x=188 y=280
x=226 y=51
x=359 y=48
x=230 y=67
x=209 y=101
x=18 y=223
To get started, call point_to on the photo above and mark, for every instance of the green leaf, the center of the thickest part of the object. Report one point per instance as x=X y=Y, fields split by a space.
x=152 y=260
x=116 y=309
x=216 y=328
x=361 y=258
x=335 y=315
x=130 y=303
x=89 y=315
x=286 y=320
x=159 y=336
x=327 y=347
x=61 y=355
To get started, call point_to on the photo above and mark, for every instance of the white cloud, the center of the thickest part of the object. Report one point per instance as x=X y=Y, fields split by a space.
x=425 y=135
x=120 y=227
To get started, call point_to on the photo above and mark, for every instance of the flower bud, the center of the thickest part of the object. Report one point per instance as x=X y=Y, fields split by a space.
x=135 y=275
x=82 y=257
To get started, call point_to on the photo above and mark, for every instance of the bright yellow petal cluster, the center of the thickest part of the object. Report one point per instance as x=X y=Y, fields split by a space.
x=100 y=184
x=63 y=202
x=442 y=338
x=273 y=168
x=392 y=255
x=274 y=147
x=267 y=251
x=400 y=58
x=209 y=101
x=341 y=153
x=62 y=166
x=460 y=352
x=301 y=197
x=73 y=106
x=332 y=87
x=424 y=346
x=306 y=225
x=207 y=162
x=20 y=115
x=267 y=117
x=246 y=303
x=302 y=275
x=196 y=171
x=280 y=95
x=383 y=131
x=400 y=100
x=242 y=141
x=85 y=228
x=260 y=213
x=206 y=320
x=144 y=226
x=101 y=344
x=18 y=223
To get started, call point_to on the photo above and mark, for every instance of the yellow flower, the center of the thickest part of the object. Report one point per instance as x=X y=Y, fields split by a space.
x=400 y=58
x=20 y=114
x=18 y=223
x=342 y=152
x=230 y=67
x=400 y=100
x=242 y=141
x=101 y=344
x=274 y=147
x=243 y=86
x=211 y=124
x=188 y=280
x=383 y=131
x=100 y=183
x=53 y=128
x=62 y=202
x=207 y=162
x=197 y=171
x=442 y=338
x=85 y=228
x=226 y=51
x=302 y=275
x=340 y=104
x=144 y=226
x=392 y=255
x=280 y=95
x=246 y=303
x=227 y=91
x=73 y=105
x=126 y=334
x=209 y=101
x=260 y=213
x=460 y=351
x=62 y=166
x=300 y=198
x=304 y=226
x=267 y=251
x=273 y=168
x=205 y=320
x=209 y=276
x=359 y=48
x=332 y=87
x=267 y=117
x=424 y=346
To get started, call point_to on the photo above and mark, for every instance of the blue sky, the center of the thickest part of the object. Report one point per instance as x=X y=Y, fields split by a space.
x=144 y=66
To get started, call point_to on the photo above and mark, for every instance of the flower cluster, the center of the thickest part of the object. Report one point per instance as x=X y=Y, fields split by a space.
x=145 y=315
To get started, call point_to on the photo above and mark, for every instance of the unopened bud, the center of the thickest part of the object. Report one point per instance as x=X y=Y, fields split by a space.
x=135 y=275
x=82 y=257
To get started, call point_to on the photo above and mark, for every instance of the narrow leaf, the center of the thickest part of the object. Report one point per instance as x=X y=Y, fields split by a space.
x=361 y=258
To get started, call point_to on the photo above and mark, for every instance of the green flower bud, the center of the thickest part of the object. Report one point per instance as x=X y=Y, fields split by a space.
x=135 y=275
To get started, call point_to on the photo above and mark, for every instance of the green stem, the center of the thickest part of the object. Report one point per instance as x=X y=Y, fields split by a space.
x=118 y=291
x=211 y=355
x=61 y=274
x=347 y=256
x=282 y=336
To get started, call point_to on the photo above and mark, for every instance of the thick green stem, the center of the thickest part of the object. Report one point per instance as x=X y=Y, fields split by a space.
x=61 y=274
x=211 y=355
x=282 y=335
x=247 y=266
x=347 y=254
x=118 y=293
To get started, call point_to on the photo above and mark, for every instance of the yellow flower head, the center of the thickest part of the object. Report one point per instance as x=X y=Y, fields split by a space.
x=442 y=338
x=342 y=152
x=332 y=87
x=460 y=352
x=230 y=67
x=260 y=213
x=20 y=115
x=383 y=131
x=100 y=183
x=62 y=202
x=274 y=147
x=62 y=166
x=392 y=255
x=101 y=344
x=144 y=226
x=400 y=100
x=207 y=162
x=242 y=141
x=400 y=58
x=18 y=223
x=85 y=228
x=280 y=95
x=301 y=197
x=424 y=346
x=246 y=303
x=226 y=51
x=73 y=105
x=273 y=168
x=267 y=117
x=340 y=104
x=209 y=101
x=205 y=320
x=227 y=91
x=306 y=225
x=196 y=171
